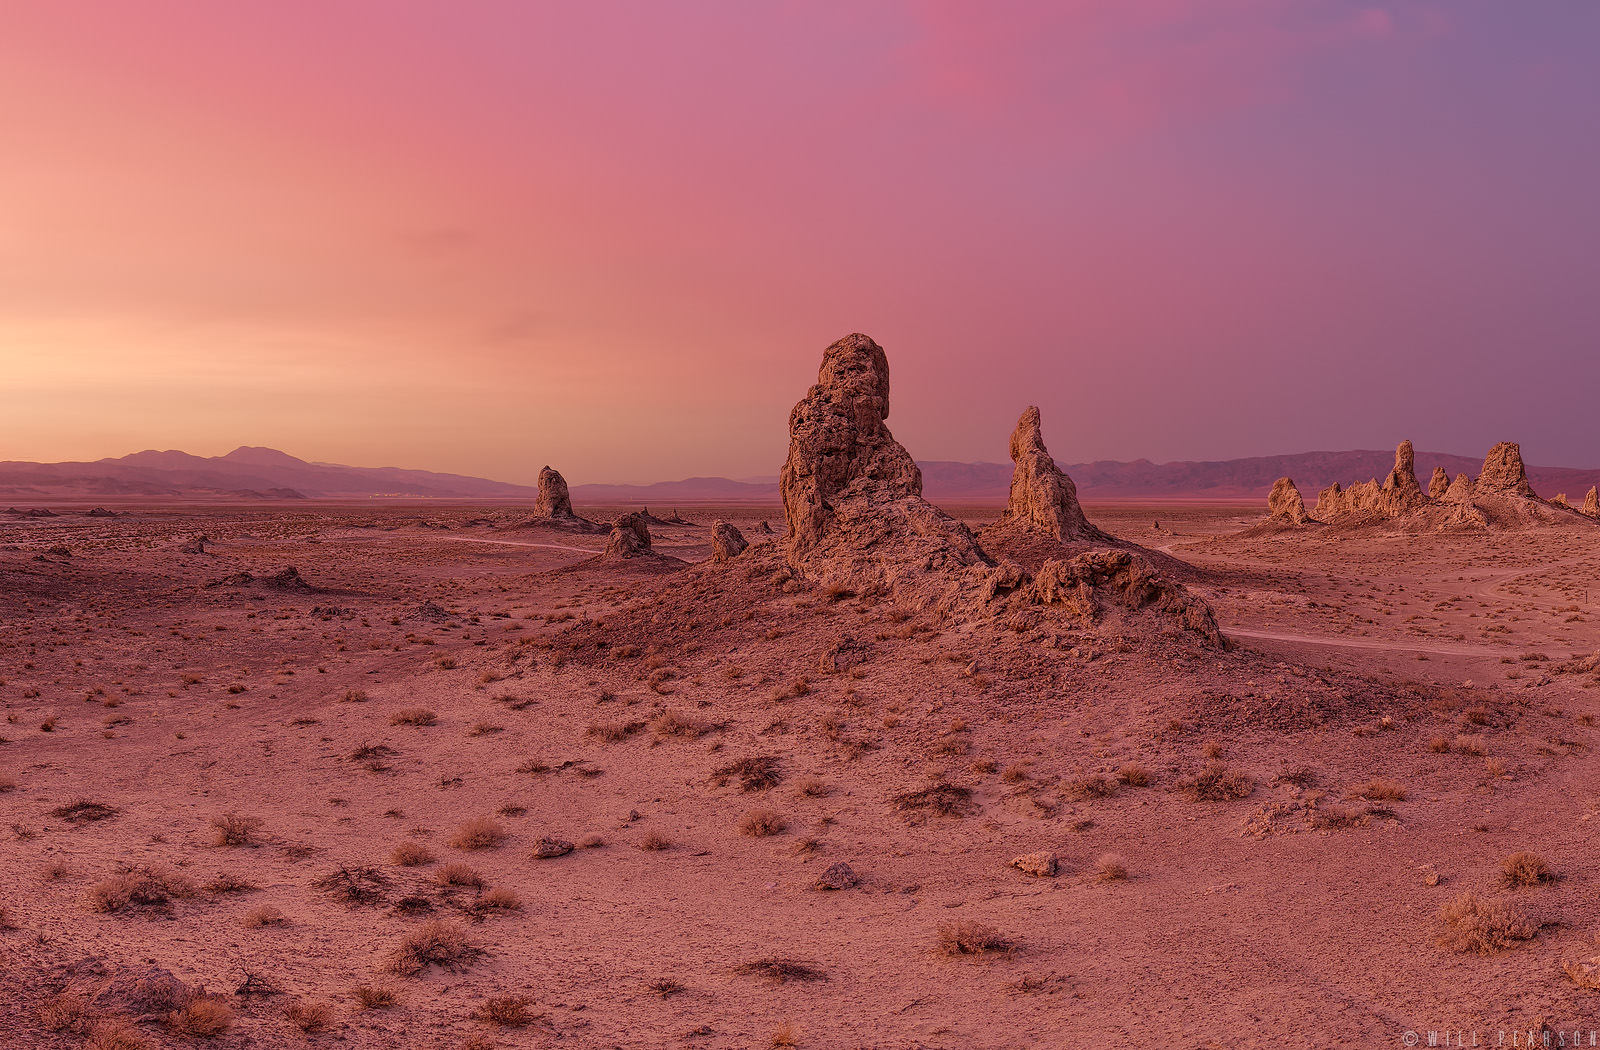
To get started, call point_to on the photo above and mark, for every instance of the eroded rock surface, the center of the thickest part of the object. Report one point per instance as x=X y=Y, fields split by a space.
x=726 y=541
x=1043 y=498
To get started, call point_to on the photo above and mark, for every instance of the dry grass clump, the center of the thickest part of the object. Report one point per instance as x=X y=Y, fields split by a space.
x=613 y=732
x=117 y=1035
x=309 y=1017
x=945 y=800
x=1133 y=774
x=760 y=823
x=264 y=915
x=757 y=773
x=437 y=942
x=235 y=829
x=1523 y=868
x=972 y=938
x=1111 y=868
x=1482 y=924
x=506 y=1011
x=1218 y=783
x=1471 y=744
x=410 y=855
x=781 y=969
x=65 y=1012
x=457 y=873
x=227 y=882
x=1097 y=785
x=139 y=888
x=478 y=833
x=655 y=841
x=1584 y=974
x=84 y=811
x=785 y=1035
x=373 y=997
x=202 y=1017
x=353 y=696
x=674 y=723
x=413 y=716
x=354 y=886
x=501 y=898
x=1382 y=789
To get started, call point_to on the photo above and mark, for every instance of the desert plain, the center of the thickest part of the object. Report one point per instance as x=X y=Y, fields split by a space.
x=465 y=775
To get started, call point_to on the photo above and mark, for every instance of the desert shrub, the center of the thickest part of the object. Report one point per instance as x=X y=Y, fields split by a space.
x=65 y=1012
x=373 y=997
x=202 y=1016
x=760 y=823
x=655 y=840
x=478 y=833
x=1470 y=744
x=1218 y=783
x=1439 y=745
x=437 y=942
x=784 y=1036
x=117 y=1035
x=1382 y=789
x=1111 y=868
x=84 y=811
x=309 y=1017
x=353 y=696
x=227 y=882
x=413 y=716
x=781 y=969
x=234 y=829
x=354 y=886
x=458 y=874
x=1482 y=925
x=945 y=800
x=613 y=732
x=500 y=898
x=410 y=855
x=757 y=773
x=506 y=1011
x=674 y=723
x=971 y=938
x=265 y=915
x=1523 y=868
x=139 y=888
x=1097 y=785
x=1133 y=774
x=811 y=787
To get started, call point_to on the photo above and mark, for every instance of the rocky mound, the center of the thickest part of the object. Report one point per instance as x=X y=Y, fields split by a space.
x=1286 y=509
x=726 y=542
x=630 y=538
x=1369 y=501
x=1043 y=498
x=1439 y=484
x=1503 y=473
x=553 y=507
x=852 y=495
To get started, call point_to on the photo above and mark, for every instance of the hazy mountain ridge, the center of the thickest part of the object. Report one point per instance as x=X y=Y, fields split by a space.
x=264 y=473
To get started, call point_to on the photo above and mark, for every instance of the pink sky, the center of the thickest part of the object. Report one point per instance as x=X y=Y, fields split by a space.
x=616 y=237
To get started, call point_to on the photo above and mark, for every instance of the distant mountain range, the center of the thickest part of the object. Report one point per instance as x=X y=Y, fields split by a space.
x=266 y=474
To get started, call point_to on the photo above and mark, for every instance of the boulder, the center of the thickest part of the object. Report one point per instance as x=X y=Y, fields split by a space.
x=630 y=538
x=1503 y=473
x=1043 y=498
x=1041 y=865
x=726 y=541
x=838 y=876
x=1439 y=484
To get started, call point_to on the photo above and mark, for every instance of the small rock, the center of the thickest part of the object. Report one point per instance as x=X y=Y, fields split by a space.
x=839 y=876
x=547 y=847
x=1043 y=865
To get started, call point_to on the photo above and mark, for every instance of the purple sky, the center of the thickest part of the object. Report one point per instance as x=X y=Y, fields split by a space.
x=617 y=236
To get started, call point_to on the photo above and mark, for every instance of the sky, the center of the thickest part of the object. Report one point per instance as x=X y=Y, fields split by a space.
x=484 y=235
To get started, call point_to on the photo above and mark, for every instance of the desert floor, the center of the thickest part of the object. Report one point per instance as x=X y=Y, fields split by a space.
x=1253 y=847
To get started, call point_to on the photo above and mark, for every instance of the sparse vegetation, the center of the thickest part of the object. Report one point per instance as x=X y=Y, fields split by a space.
x=373 y=997
x=781 y=970
x=203 y=1017
x=1111 y=868
x=478 y=833
x=458 y=874
x=945 y=800
x=437 y=942
x=1523 y=868
x=139 y=888
x=506 y=1011
x=309 y=1017
x=235 y=829
x=757 y=773
x=1381 y=789
x=1482 y=925
x=1218 y=783
x=761 y=823
x=972 y=938
x=413 y=716
x=410 y=854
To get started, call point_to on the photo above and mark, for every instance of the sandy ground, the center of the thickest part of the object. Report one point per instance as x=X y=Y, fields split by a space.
x=1400 y=715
